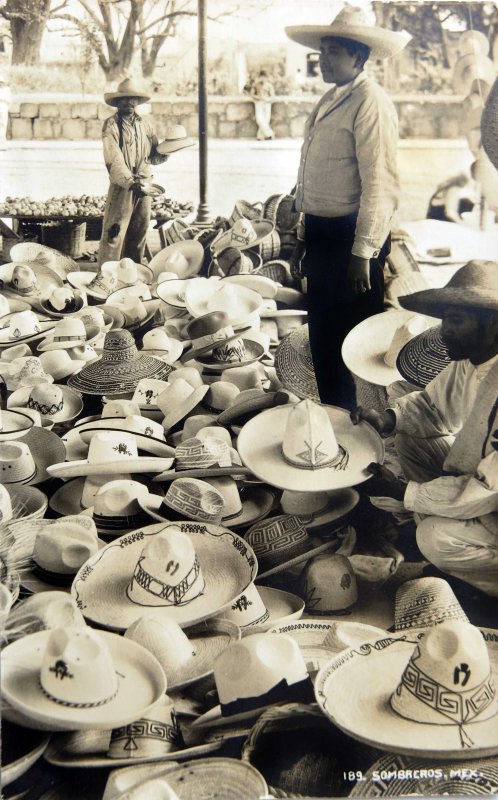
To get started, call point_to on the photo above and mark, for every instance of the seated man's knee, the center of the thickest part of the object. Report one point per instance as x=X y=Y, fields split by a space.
x=429 y=540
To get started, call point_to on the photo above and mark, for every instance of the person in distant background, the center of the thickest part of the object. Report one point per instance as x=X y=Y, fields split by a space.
x=130 y=147
x=5 y=98
x=262 y=93
x=454 y=197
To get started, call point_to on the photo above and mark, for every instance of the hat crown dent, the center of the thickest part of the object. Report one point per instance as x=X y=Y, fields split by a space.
x=119 y=498
x=24 y=278
x=448 y=677
x=77 y=668
x=106 y=446
x=63 y=548
x=167 y=572
x=120 y=408
x=164 y=638
x=309 y=440
x=403 y=333
x=476 y=274
x=61 y=298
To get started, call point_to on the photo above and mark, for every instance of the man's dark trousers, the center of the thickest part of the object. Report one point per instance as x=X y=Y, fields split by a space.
x=333 y=308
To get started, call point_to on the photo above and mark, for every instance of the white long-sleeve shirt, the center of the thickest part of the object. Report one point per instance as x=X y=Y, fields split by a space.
x=441 y=409
x=349 y=161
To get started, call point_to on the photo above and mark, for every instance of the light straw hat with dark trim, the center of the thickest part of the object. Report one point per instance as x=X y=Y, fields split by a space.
x=475 y=285
x=127 y=88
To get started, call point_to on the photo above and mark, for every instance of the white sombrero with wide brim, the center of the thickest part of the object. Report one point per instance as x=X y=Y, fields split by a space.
x=148 y=443
x=351 y=23
x=227 y=564
x=191 y=250
x=354 y=691
x=260 y=447
x=47 y=280
x=366 y=345
x=72 y=403
x=136 y=464
x=81 y=279
x=50 y=311
x=201 y=298
x=67 y=499
x=141 y=684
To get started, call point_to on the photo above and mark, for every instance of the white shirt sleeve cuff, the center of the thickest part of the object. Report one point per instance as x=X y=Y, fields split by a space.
x=410 y=495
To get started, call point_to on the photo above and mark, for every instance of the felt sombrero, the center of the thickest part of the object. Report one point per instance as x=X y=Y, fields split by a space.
x=40 y=254
x=294 y=365
x=140 y=683
x=225 y=567
x=286 y=446
x=406 y=694
x=119 y=369
x=320 y=640
x=395 y=775
x=351 y=23
x=57 y=402
x=423 y=357
x=183 y=258
x=26 y=461
x=21 y=748
x=370 y=349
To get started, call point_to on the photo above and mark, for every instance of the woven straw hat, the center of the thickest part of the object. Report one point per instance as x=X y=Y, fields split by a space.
x=26 y=461
x=184 y=657
x=423 y=357
x=227 y=565
x=95 y=698
x=249 y=402
x=184 y=258
x=207 y=331
x=130 y=87
x=424 y=602
x=13 y=424
x=351 y=23
x=243 y=234
x=44 y=256
x=25 y=327
x=474 y=285
x=489 y=125
x=431 y=697
x=28 y=281
x=308 y=446
x=116 y=510
x=280 y=543
x=56 y=402
x=155 y=734
x=294 y=366
x=149 y=435
x=28 y=502
x=120 y=367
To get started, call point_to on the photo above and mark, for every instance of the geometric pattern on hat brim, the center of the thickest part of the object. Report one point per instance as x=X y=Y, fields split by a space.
x=423 y=602
x=423 y=357
x=281 y=542
x=404 y=776
x=227 y=564
x=294 y=365
x=354 y=691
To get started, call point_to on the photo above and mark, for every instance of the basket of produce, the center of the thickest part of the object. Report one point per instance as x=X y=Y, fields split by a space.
x=67 y=237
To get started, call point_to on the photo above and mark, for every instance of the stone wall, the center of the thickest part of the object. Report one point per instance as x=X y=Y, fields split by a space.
x=229 y=117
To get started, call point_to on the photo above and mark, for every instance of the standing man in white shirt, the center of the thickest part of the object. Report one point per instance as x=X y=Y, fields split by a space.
x=446 y=436
x=347 y=191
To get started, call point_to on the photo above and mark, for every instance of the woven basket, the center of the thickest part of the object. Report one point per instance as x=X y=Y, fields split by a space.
x=277 y=270
x=269 y=247
x=280 y=209
x=489 y=125
x=67 y=237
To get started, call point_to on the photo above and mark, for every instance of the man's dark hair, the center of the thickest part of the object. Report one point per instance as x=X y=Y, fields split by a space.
x=352 y=47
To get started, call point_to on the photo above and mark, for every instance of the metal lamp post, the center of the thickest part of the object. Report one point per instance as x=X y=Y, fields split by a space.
x=203 y=213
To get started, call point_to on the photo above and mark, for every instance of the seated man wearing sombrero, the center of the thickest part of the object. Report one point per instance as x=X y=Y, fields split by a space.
x=130 y=147
x=446 y=436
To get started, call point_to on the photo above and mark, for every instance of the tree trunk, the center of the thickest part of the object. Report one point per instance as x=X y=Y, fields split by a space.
x=27 y=26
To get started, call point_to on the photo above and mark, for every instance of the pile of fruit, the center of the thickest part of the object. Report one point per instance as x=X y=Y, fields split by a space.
x=84 y=206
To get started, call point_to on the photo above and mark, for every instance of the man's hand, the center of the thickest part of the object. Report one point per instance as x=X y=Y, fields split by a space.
x=296 y=258
x=384 y=483
x=382 y=421
x=358 y=274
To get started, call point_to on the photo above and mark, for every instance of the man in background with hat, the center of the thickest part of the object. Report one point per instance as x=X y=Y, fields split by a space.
x=447 y=435
x=347 y=190
x=130 y=147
